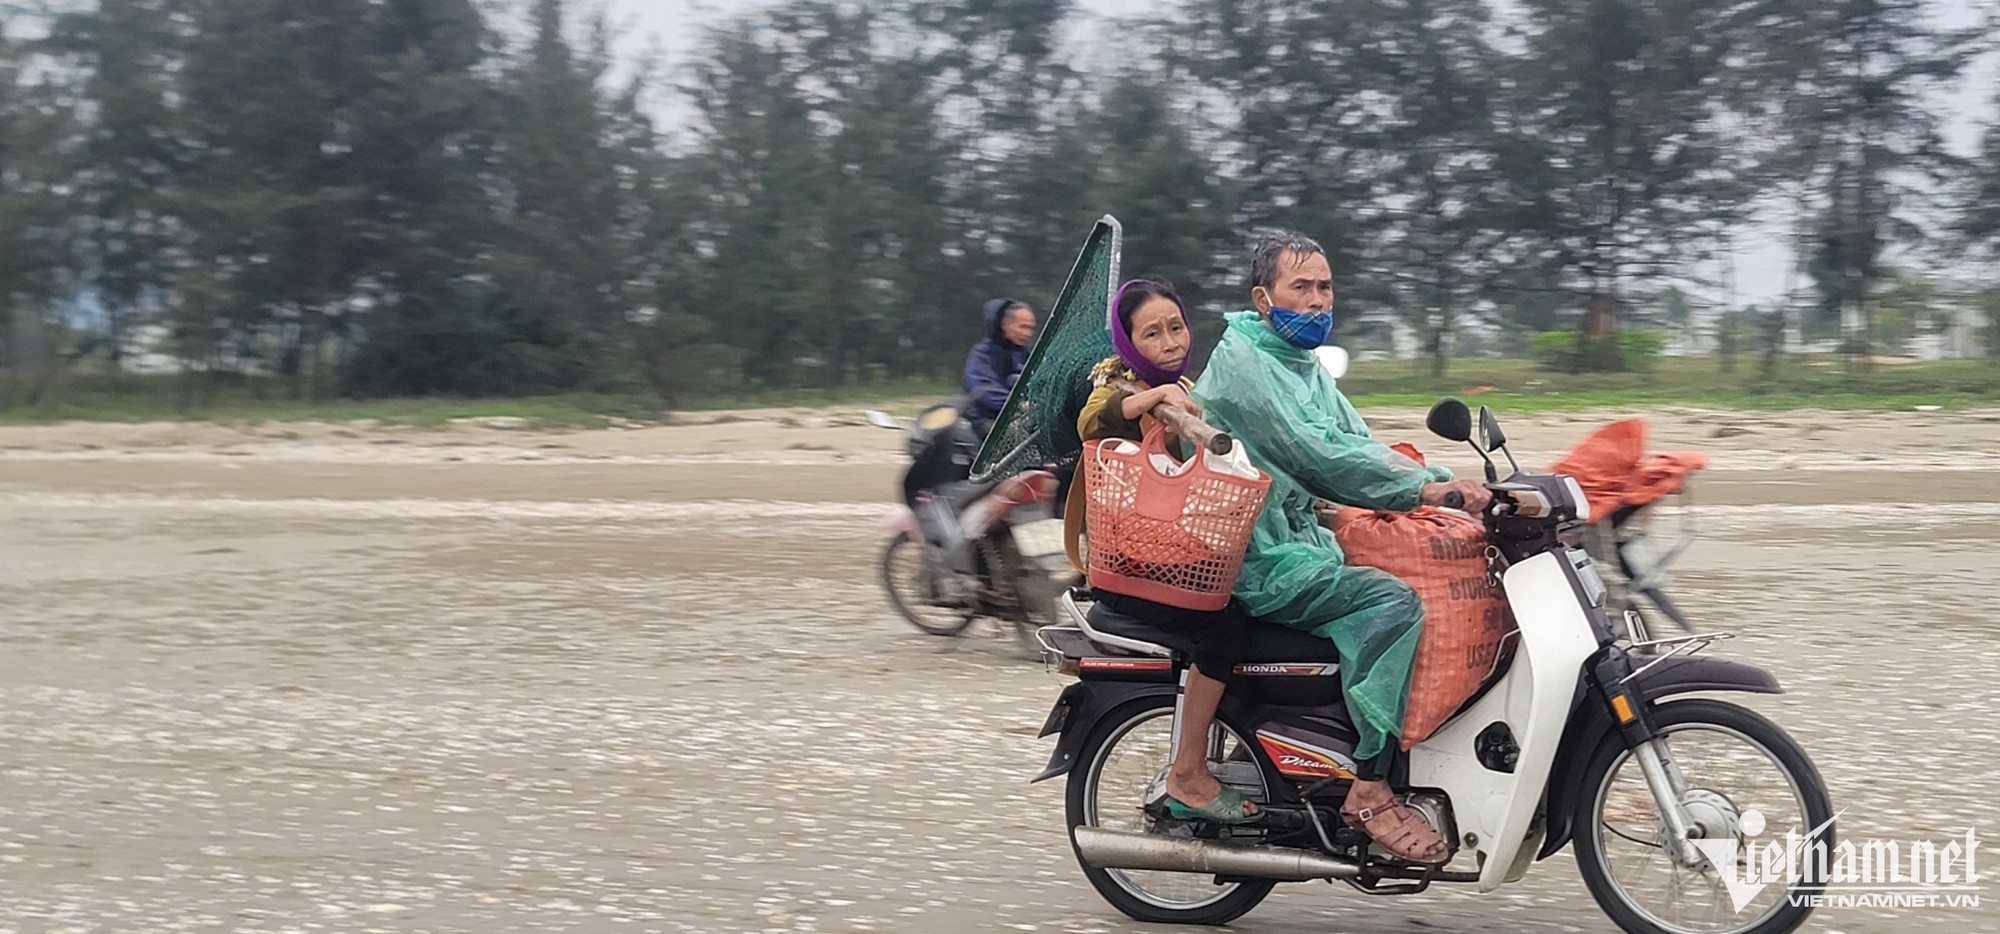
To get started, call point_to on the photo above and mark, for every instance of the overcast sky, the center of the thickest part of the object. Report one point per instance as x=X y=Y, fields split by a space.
x=1763 y=262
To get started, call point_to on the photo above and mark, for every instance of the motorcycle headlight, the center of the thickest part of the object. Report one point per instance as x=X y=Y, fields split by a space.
x=937 y=418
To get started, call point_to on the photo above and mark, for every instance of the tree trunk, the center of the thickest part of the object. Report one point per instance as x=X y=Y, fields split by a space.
x=197 y=328
x=1441 y=334
x=1860 y=342
x=293 y=361
x=31 y=358
x=114 y=374
x=197 y=383
x=1600 y=316
x=50 y=389
x=836 y=360
x=49 y=382
x=10 y=359
x=1774 y=344
x=184 y=387
x=1600 y=340
x=313 y=342
x=208 y=372
x=652 y=360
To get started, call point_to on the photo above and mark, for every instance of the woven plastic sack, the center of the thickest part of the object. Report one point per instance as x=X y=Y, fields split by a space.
x=1165 y=532
x=1442 y=556
x=1614 y=470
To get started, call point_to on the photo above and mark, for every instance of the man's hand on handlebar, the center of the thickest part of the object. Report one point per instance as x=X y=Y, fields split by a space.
x=1469 y=495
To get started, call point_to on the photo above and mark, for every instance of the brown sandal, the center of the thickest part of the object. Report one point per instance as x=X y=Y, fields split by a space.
x=1409 y=838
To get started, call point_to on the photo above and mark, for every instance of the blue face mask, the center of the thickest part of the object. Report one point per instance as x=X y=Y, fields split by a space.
x=1302 y=329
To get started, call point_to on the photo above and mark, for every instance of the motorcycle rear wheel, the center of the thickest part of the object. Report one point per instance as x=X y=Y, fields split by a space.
x=905 y=578
x=1107 y=789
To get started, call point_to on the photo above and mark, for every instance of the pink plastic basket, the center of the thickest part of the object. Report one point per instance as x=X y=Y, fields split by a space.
x=1176 y=539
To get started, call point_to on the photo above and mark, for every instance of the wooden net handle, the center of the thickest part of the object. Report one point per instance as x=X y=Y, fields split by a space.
x=1181 y=423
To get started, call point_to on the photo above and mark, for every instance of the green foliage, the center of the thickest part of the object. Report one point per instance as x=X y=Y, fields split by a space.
x=1639 y=351
x=1557 y=350
x=1733 y=332
x=1574 y=352
x=1631 y=172
x=471 y=339
x=1988 y=304
x=1851 y=85
x=1525 y=386
x=367 y=199
x=1979 y=207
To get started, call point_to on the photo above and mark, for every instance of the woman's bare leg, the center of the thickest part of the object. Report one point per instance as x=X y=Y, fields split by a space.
x=1189 y=781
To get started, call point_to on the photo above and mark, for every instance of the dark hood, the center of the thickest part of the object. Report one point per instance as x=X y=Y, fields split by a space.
x=994 y=318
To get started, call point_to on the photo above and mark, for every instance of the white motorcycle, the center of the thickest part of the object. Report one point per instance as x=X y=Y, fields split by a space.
x=1578 y=737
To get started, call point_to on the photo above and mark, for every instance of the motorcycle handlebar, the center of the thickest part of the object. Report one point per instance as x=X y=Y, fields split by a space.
x=1181 y=423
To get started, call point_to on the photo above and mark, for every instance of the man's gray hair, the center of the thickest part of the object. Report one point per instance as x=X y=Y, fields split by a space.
x=1264 y=262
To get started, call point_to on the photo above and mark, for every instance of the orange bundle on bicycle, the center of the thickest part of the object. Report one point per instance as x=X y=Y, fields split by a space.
x=1172 y=533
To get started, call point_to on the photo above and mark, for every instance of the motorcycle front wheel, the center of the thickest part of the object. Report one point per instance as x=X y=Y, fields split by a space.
x=906 y=577
x=1741 y=779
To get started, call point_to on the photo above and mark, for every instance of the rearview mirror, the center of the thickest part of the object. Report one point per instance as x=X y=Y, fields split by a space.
x=1332 y=359
x=1450 y=420
x=882 y=419
x=1491 y=438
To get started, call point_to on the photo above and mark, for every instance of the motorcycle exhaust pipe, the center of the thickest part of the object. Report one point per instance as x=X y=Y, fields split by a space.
x=1117 y=849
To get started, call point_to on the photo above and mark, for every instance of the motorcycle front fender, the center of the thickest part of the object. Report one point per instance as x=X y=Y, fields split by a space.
x=904 y=522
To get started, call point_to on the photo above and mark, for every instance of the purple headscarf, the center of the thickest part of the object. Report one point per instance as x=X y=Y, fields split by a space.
x=1150 y=373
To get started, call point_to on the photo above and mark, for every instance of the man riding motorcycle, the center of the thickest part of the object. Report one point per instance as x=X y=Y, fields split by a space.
x=993 y=364
x=1264 y=388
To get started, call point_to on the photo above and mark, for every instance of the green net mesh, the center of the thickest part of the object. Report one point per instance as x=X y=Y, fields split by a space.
x=1037 y=426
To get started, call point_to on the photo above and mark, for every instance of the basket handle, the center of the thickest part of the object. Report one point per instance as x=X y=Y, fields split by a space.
x=1155 y=442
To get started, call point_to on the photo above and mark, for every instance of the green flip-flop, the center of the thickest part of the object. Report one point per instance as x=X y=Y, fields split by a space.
x=1225 y=808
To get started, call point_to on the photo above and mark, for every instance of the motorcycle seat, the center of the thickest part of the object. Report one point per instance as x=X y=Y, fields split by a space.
x=963 y=493
x=1267 y=642
x=1270 y=642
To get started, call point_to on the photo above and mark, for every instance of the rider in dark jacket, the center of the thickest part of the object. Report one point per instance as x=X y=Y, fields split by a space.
x=995 y=361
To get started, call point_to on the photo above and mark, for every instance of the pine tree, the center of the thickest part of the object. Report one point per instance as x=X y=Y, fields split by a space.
x=129 y=163
x=1439 y=210
x=1173 y=201
x=1850 y=84
x=39 y=131
x=1622 y=102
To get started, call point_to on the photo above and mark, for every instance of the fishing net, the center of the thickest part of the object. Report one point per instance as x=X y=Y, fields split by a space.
x=1037 y=426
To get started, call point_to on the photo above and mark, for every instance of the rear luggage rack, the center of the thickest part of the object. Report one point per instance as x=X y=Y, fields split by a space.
x=1068 y=603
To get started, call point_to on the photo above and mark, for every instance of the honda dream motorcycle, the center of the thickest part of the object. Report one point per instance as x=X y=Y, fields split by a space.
x=1580 y=736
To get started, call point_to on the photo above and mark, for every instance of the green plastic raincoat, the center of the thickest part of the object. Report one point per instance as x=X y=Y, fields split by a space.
x=1295 y=425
